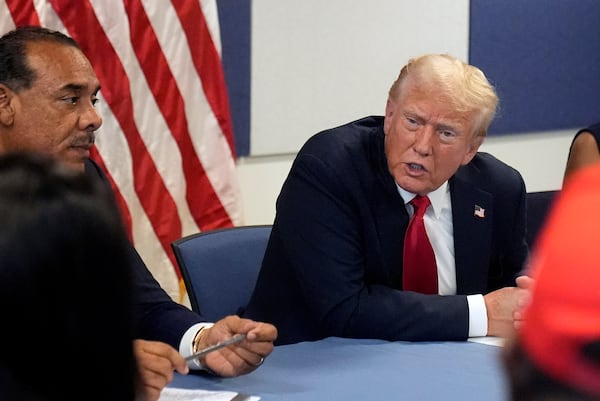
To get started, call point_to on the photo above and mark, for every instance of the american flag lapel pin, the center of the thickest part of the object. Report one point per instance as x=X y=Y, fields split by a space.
x=479 y=211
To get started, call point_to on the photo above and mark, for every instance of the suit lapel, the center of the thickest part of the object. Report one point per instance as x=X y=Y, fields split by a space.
x=472 y=217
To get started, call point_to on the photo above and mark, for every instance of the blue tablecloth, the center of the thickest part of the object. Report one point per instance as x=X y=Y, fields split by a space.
x=350 y=369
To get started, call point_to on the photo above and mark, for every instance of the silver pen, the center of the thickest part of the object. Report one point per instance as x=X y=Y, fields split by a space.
x=233 y=340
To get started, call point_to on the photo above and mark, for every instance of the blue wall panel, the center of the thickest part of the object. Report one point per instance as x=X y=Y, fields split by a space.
x=234 y=21
x=543 y=56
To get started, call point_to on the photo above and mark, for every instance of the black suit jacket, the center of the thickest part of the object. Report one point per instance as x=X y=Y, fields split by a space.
x=333 y=265
x=157 y=316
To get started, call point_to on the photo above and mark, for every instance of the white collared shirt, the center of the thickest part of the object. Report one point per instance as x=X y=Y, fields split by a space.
x=439 y=227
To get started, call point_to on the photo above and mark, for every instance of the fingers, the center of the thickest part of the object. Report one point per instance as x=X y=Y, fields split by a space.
x=234 y=360
x=258 y=343
x=248 y=351
x=146 y=393
x=242 y=357
x=149 y=384
x=501 y=306
x=262 y=332
x=256 y=332
x=525 y=282
x=505 y=307
x=156 y=362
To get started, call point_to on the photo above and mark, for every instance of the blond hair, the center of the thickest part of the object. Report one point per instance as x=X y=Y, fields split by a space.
x=464 y=85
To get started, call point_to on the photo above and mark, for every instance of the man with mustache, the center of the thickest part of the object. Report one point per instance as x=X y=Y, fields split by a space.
x=47 y=94
x=337 y=257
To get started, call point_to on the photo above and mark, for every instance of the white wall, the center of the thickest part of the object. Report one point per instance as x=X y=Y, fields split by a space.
x=321 y=63
x=540 y=157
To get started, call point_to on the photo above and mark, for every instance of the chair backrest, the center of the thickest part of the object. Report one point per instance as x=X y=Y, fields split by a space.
x=220 y=268
x=538 y=206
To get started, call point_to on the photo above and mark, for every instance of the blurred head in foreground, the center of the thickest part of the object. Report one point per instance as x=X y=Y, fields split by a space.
x=556 y=353
x=64 y=286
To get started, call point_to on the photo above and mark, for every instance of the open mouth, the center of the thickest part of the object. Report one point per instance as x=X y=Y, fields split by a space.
x=416 y=167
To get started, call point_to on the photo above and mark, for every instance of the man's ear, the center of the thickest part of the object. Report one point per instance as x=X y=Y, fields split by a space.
x=7 y=111
x=473 y=149
x=387 y=120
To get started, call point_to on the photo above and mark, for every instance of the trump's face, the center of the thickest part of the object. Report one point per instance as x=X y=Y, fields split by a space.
x=426 y=139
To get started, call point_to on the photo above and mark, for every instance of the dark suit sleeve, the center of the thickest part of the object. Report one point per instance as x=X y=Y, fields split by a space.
x=157 y=317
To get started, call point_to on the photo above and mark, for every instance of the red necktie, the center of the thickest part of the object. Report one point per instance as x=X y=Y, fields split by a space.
x=419 y=272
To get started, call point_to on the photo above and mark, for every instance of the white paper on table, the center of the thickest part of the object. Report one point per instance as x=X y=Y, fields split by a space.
x=184 y=394
x=488 y=340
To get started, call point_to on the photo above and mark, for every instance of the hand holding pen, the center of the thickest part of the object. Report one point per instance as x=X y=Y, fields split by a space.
x=233 y=340
x=242 y=355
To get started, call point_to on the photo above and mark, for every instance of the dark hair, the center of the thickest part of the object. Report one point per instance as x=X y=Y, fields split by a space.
x=65 y=285
x=14 y=70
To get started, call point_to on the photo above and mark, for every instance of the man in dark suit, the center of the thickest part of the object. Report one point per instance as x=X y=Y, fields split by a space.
x=335 y=261
x=47 y=94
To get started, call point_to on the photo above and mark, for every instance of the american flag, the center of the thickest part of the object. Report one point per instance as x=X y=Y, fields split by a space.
x=166 y=142
x=479 y=211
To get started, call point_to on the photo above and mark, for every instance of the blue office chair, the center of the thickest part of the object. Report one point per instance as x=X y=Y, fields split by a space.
x=539 y=205
x=220 y=268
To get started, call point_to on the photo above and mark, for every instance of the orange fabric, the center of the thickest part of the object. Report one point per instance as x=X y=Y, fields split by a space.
x=564 y=313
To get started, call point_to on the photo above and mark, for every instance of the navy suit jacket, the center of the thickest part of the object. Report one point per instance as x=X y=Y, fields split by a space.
x=333 y=264
x=157 y=317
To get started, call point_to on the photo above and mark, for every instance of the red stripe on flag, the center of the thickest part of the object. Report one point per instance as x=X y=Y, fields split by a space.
x=23 y=12
x=82 y=24
x=204 y=204
x=207 y=62
x=119 y=199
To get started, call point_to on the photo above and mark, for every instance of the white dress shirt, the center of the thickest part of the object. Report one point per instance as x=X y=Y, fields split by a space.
x=186 y=345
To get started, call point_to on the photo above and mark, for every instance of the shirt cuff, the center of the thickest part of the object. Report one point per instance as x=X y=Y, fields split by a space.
x=186 y=345
x=477 y=316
